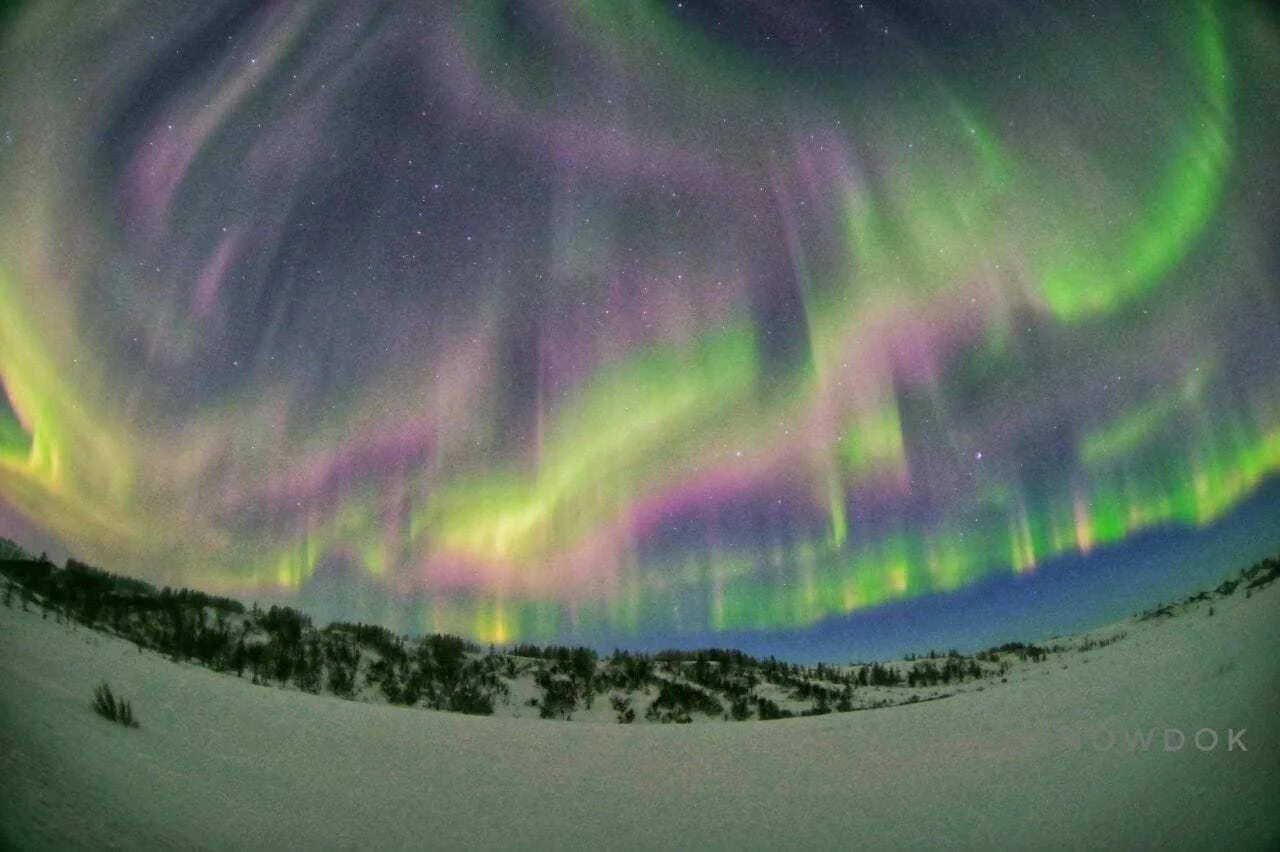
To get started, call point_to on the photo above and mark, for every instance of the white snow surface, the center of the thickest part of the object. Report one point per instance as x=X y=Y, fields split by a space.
x=220 y=763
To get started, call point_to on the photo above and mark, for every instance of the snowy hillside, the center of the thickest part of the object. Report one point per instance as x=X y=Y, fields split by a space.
x=221 y=763
x=281 y=647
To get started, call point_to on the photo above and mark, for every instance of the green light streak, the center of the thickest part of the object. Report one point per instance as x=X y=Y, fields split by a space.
x=602 y=449
x=1120 y=264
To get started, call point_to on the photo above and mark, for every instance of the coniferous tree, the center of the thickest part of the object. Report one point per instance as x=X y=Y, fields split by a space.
x=107 y=705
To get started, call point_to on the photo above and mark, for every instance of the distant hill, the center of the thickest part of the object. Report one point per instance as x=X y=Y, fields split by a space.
x=280 y=646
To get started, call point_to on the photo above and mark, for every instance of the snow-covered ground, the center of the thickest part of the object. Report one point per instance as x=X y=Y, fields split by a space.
x=221 y=763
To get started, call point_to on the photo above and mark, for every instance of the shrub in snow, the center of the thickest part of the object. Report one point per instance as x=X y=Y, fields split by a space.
x=105 y=704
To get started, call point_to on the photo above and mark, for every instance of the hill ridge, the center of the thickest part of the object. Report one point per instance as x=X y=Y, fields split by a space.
x=280 y=646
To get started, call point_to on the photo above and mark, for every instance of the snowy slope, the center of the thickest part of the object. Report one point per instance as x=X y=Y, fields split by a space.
x=220 y=763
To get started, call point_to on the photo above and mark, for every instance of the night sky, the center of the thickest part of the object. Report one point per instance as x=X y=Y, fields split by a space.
x=807 y=327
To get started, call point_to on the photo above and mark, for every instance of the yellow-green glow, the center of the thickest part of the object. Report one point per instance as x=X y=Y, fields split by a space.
x=627 y=321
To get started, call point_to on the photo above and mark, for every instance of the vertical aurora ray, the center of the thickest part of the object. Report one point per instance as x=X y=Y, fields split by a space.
x=526 y=320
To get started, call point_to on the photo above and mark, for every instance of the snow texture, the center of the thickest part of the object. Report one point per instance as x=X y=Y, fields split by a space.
x=220 y=763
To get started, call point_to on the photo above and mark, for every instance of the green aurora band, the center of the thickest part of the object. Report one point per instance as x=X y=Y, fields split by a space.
x=857 y=333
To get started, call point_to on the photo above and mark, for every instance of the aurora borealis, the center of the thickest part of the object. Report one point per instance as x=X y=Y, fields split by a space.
x=522 y=319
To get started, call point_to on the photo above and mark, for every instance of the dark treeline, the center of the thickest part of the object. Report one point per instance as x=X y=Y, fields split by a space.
x=280 y=646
